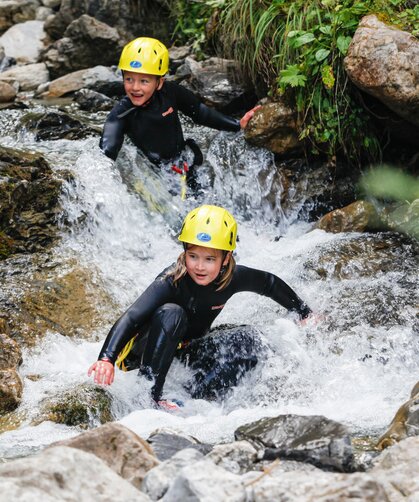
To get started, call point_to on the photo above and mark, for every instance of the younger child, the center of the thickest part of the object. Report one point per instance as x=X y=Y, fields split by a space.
x=179 y=307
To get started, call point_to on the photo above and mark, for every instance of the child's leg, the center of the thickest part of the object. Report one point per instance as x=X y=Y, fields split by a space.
x=167 y=328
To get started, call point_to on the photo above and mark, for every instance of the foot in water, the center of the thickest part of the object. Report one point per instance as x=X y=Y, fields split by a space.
x=170 y=404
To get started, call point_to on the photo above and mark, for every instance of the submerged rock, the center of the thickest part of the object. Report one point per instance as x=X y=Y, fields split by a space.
x=83 y=406
x=56 y=125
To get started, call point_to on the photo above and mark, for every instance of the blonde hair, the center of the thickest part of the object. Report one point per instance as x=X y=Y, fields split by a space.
x=226 y=272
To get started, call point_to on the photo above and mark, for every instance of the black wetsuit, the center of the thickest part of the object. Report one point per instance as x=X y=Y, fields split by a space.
x=165 y=315
x=155 y=127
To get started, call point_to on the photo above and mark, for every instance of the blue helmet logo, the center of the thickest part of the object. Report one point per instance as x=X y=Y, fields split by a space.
x=203 y=237
x=135 y=64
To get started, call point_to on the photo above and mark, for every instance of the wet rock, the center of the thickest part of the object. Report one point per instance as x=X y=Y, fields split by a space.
x=87 y=42
x=356 y=217
x=384 y=62
x=311 y=190
x=25 y=41
x=405 y=423
x=7 y=92
x=158 y=480
x=56 y=125
x=363 y=256
x=275 y=126
x=314 y=439
x=93 y=101
x=165 y=444
x=63 y=473
x=11 y=389
x=237 y=457
x=84 y=406
x=10 y=353
x=39 y=295
x=119 y=448
x=29 y=202
x=215 y=81
x=27 y=77
x=214 y=356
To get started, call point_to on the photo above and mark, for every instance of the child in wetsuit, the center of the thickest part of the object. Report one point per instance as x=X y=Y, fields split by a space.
x=183 y=301
x=149 y=113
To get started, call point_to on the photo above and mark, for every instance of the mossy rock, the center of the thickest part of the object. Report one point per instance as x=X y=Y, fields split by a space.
x=85 y=406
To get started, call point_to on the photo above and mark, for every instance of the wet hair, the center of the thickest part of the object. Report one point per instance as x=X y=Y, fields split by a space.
x=223 y=279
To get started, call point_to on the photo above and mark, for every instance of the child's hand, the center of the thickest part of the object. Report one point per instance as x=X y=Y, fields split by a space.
x=312 y=320
x=104 y=372
x=248 y=115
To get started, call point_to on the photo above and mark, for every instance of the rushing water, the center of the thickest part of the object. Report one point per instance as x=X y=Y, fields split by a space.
x=356 y=366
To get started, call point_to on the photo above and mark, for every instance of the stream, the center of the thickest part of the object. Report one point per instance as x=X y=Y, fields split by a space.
x=121 y=220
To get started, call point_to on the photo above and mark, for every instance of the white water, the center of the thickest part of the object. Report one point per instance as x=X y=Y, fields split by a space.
x=312 y=370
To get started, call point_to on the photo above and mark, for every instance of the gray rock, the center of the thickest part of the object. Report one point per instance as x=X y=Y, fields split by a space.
x=205 y=482
x=384 y=62
x=157 y=481
x=121 y=449
x=93 y=101
x=63 y=473
x=28 y=77
x=165 y=444
x=24 y=41
x=397 y=470
x=314 y=439
x=237 y=457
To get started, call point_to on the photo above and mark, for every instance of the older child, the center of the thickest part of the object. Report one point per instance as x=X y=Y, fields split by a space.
x=149 y=113
x=179 y=307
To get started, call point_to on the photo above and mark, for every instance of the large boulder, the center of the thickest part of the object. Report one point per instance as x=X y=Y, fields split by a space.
x=87 y=42
x=29 y=202
x=384 y=62
x=314 y=439
x=63 y=473
x=216 y=82
x=98 y=78
x=118 y=447
x=25 y=41
x=130 y=18
x=26 y=77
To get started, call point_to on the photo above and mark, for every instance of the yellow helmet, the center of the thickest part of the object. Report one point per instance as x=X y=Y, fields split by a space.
x=145 y=55
x=211 y=227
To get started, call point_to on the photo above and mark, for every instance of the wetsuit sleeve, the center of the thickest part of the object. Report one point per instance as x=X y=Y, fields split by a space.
x=201 y=114
x=113 y=131
x=267 y=284
x=140 y=312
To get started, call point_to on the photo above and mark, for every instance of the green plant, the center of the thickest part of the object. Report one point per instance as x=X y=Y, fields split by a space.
x=192 y=17
x=297 y=47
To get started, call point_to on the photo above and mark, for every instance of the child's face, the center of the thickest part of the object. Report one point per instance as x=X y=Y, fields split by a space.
x=139 y=87
x=204 y=264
